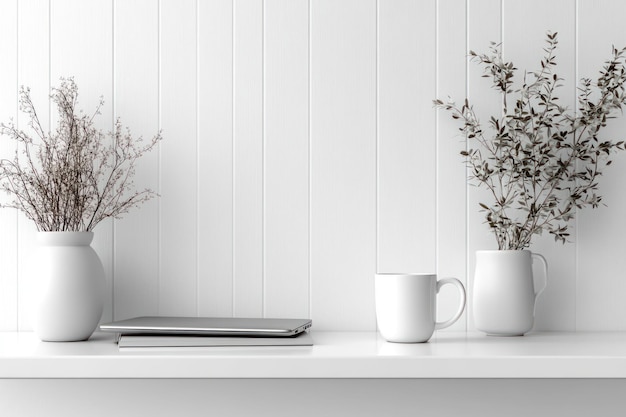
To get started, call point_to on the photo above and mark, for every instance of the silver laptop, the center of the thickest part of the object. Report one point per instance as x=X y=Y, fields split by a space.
x=209 y=326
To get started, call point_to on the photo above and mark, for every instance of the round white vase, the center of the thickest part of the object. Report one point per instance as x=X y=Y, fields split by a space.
x=69 y=286
x=504 y=293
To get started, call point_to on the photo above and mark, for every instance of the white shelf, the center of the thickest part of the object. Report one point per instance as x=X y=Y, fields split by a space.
x=335 y=355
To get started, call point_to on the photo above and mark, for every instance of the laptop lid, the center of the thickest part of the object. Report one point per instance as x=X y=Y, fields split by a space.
x=209 y=326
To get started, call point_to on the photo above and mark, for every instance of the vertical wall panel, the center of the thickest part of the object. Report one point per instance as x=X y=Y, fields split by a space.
x=601 y=262
x=33 y=64
x=451 y=171
x=85 y=53
x=286 y=131
x=136 y=83
x=215 y=153
x=8 y=218
x=483 y=22
x=178 y=175
x=524 y=34
x=343 y=161
x=248 y=158
x=406 y=136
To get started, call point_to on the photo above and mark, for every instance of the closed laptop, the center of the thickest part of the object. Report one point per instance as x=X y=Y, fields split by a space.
x=209 y=326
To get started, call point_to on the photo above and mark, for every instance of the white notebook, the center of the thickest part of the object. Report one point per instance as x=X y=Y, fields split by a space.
x=129 y=342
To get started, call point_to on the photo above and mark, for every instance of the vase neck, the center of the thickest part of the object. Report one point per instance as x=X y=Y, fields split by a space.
x=65 y=238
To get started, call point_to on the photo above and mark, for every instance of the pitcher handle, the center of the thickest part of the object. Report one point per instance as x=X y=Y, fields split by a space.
x=545 y=272
x=461 y=289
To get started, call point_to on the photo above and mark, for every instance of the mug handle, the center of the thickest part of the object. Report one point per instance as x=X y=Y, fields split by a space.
x=461 y=289
x=545 y=272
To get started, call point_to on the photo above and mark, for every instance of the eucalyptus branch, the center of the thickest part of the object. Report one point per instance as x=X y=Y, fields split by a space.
x=541 y=161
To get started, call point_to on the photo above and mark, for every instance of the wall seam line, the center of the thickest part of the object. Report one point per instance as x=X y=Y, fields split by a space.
x=576 y=224
x=466 y=229
x=437 y=153
x=17 y=107
x=197 y=159
x=160 y=154
x=468 y=255
x=263 y=156
x=113 y=115
x=310 y=155
x=377 y=156
x=234 y=160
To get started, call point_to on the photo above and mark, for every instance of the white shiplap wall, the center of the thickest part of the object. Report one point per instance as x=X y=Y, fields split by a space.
x=301 y=150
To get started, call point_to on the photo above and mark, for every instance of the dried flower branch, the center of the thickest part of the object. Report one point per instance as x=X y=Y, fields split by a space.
x=75 y=177
x=540 y=162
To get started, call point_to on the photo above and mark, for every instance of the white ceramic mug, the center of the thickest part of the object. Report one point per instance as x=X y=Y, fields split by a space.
x=406 y=306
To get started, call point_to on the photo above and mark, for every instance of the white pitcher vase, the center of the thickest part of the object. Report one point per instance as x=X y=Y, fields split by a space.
x=69 y=281
x=504 y=293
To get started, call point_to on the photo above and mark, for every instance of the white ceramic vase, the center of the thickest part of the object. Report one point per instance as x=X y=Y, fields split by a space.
x=504 y=293
x=69 y=285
